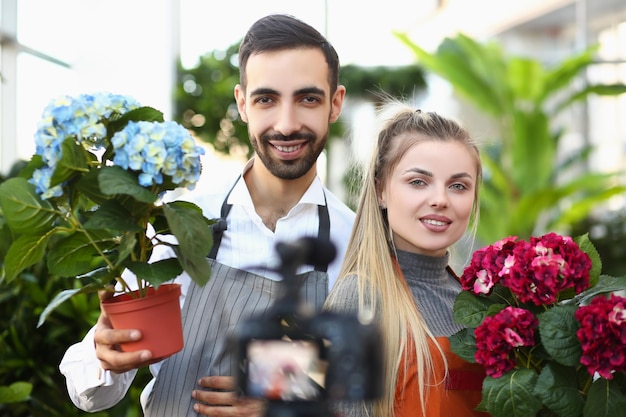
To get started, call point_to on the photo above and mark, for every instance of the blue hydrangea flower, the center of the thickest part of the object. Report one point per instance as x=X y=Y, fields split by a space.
x=157 y=149
x=80 y=118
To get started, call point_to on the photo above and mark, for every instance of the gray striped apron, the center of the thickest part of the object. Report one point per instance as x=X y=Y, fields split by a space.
x=211 y=312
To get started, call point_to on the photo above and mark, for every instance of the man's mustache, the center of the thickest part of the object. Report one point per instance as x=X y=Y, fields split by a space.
x=293 y=136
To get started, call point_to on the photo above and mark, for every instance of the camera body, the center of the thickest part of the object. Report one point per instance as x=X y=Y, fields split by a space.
x=300 y=360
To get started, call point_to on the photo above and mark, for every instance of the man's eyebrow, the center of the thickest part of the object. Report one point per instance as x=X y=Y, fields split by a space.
x=309 y=90
x=264 y=91
x=302 y=91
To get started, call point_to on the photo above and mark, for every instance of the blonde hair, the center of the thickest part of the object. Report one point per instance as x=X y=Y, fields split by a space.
x=371 y=252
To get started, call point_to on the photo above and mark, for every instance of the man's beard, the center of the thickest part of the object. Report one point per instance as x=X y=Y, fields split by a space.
x=288 y=169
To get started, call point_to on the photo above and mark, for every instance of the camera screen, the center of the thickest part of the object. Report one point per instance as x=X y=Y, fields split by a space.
x=284 y=370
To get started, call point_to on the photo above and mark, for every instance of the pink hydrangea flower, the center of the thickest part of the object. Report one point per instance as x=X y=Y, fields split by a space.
x=602 y=335
x=499 y=335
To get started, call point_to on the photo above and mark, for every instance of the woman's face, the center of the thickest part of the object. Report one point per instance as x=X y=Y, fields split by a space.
x=429 y=196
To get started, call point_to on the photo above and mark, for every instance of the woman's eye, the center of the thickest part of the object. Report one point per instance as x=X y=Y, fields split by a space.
x=459 y=186
x=418 y=182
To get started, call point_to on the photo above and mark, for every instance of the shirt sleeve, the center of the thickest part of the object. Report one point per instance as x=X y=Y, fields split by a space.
x=90 y=387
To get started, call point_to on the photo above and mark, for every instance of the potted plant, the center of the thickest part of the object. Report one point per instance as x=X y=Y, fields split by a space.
x=549 y=329
x=90 y=202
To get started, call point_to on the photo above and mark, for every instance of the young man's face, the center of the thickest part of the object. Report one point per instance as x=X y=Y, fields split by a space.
x=288 y=108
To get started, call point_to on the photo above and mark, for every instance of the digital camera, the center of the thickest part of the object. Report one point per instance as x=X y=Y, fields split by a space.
x=301 y=360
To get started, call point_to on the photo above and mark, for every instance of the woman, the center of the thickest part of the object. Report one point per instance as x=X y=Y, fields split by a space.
x=419 y=196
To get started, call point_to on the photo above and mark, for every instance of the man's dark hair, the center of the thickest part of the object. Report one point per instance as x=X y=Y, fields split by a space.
x=278 y=32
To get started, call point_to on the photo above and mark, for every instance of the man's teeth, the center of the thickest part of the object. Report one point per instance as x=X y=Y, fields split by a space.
x=292 y=148
x=434 y=222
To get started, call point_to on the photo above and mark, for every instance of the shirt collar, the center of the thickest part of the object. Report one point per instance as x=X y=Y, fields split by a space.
x=241 y=196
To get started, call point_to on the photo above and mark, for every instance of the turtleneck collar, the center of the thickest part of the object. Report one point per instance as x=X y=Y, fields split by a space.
x=417 y=267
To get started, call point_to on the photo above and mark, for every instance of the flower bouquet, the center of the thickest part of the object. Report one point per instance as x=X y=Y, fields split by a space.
x=548 y=328
x=89 y=202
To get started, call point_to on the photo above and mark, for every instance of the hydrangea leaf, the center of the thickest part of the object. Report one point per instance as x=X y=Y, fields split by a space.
x=115 y=180
x=24 y=211
x=606 y=284
x=463 y=343
x=470 y=310
x=158 y=272
x=146 y=114
x=88 y=186
x=112 y=215
x=606 y=398
x=73 y=160
x=511 y=395
x=557 y=388
x=596 y=262
x=25 y=251
x=76 y=254
x=193 y=233
x=557 y=329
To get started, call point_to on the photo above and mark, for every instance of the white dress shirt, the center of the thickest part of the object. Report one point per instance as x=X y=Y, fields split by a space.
x=247 y=244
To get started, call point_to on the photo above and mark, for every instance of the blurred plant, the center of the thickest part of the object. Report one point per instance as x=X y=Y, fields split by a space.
x=523 y=180
x=607 y=231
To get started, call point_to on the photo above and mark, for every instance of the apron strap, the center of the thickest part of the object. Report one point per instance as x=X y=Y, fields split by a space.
x=218 y=228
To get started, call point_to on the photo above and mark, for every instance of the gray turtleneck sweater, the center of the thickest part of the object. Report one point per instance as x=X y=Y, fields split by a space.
x=434 y=290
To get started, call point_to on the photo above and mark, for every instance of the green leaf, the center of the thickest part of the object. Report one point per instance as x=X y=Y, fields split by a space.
x=88 y=186
x=76 y=253
x=65 y=295
x=16 y=392
x=156 y=273
x=557 y=330
x=451 y=62
x=596 y=263
x=606 y=398
x=463 y=343
x=511 y=395
x=606 y=284
x=115 y=180
x=73 y=160
x=24 y=210
x=25 y=251
x=145 y=114
x=556 y=386
x=193 y=233
x=470 y=310
x=112 y=215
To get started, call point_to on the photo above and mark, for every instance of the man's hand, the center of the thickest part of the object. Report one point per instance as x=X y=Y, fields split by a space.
x=107 y=342
x=219 y=399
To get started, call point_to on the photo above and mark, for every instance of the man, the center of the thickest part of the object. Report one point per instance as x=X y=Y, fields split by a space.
x=288 y=95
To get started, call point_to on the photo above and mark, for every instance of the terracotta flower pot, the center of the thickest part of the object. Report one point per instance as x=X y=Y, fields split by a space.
x=157 y=316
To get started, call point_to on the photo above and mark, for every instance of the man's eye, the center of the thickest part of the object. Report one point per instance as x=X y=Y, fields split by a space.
x=311 y=99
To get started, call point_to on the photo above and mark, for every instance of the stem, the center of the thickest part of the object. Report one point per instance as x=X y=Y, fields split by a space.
x=587 y=385
x=526 y=360
x=73 y=220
